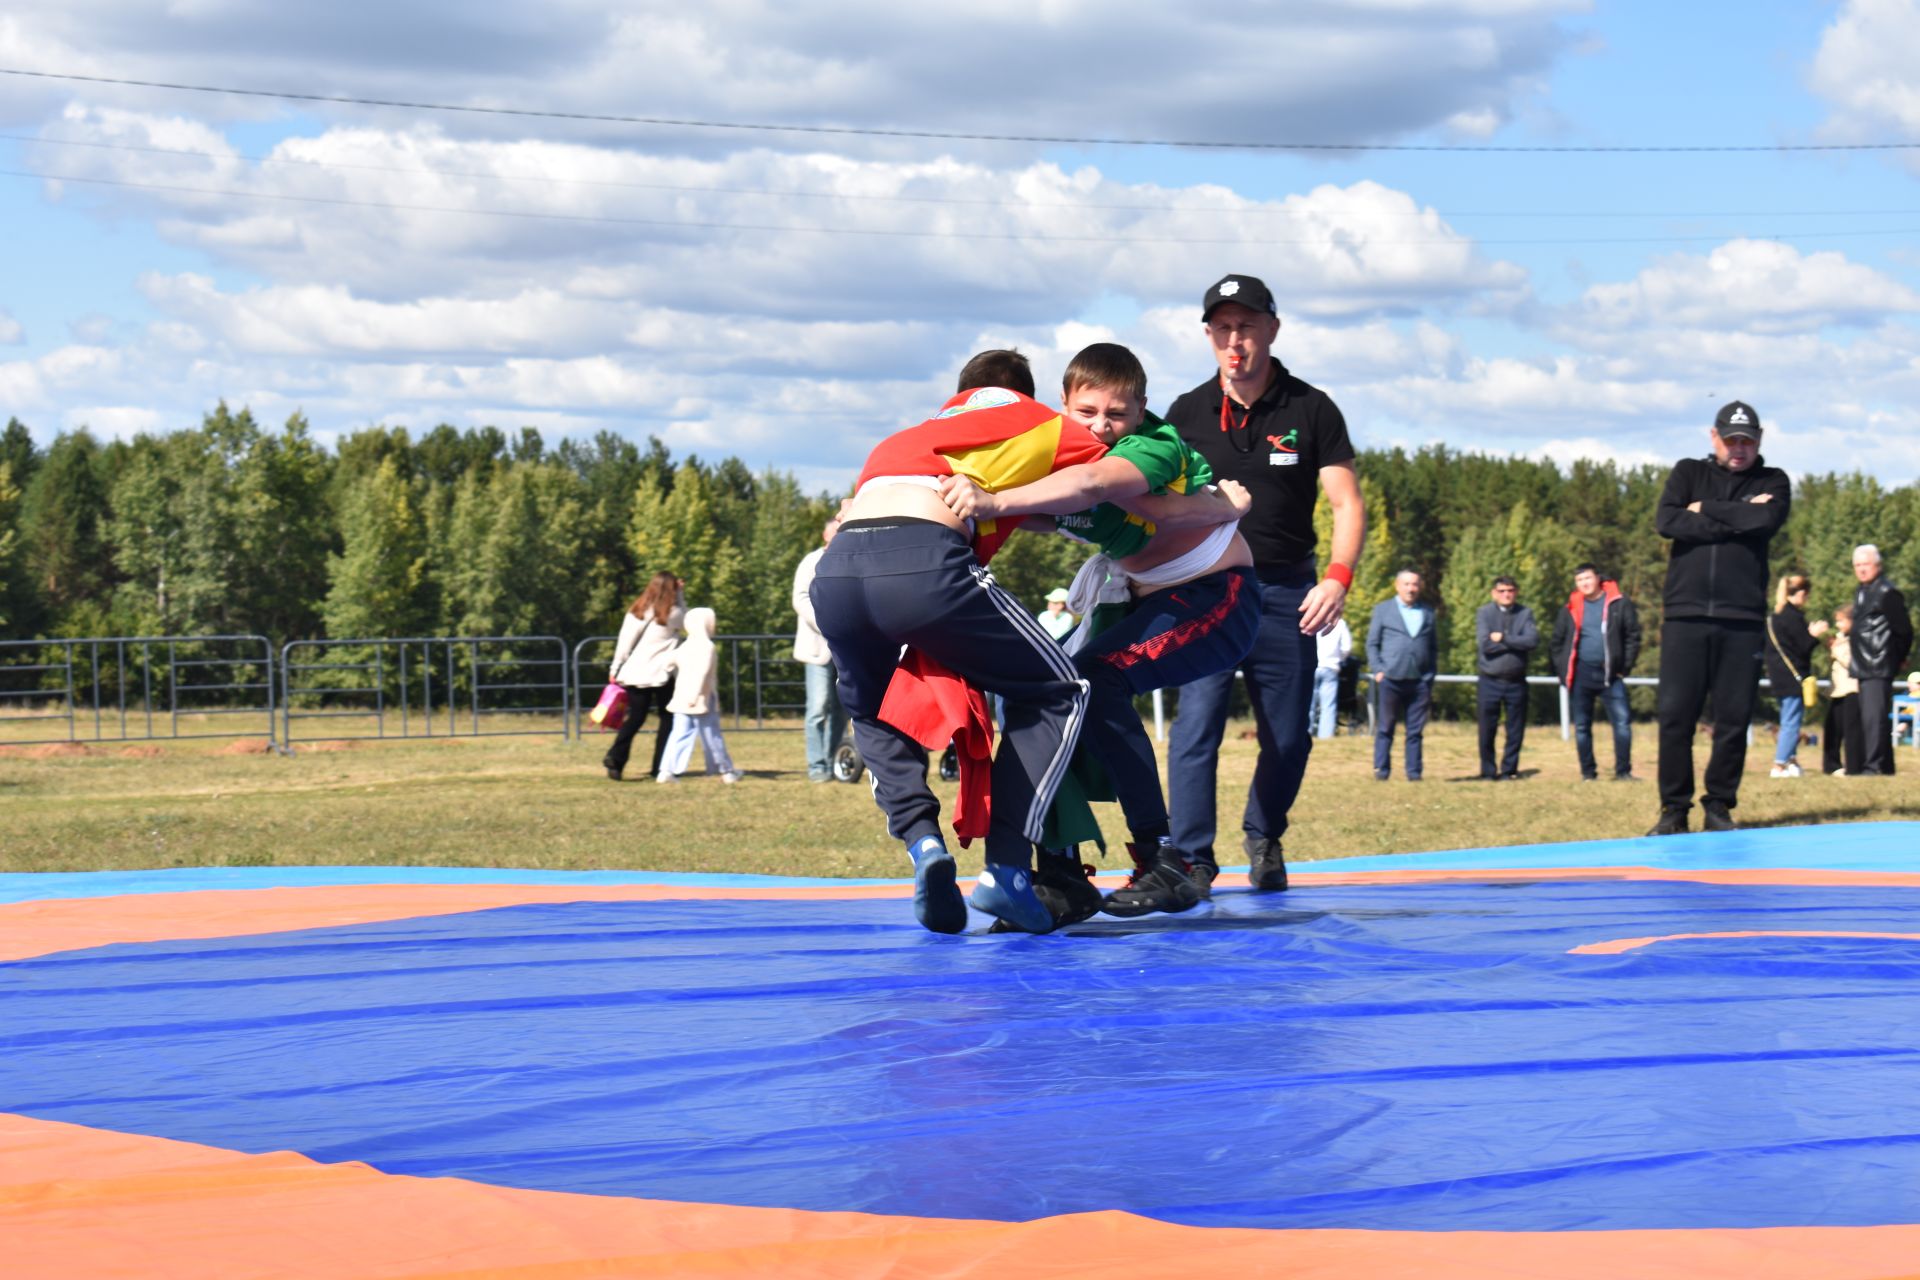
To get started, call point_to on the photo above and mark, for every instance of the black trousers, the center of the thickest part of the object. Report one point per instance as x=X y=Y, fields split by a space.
x=1701 y=657
x=639 y=701
x=1841 y=743
x=1497 y=695
x=1876 y=725
x=886 y=583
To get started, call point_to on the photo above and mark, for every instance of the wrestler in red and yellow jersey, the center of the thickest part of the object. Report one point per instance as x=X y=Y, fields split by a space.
x=994 y=437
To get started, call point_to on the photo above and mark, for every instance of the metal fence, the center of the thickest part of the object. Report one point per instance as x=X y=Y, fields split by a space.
x=756 y=677
x=424 y=687
x=133 y=688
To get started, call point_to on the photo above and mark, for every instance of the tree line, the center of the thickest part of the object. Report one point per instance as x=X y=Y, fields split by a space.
x=234 y=528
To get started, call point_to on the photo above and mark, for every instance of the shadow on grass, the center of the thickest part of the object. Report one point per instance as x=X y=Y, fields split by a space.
x=1850 y=813
x=1518 y=776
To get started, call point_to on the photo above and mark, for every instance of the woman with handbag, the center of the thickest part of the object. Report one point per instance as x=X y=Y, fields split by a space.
x=648 y=633
x=1791 y=641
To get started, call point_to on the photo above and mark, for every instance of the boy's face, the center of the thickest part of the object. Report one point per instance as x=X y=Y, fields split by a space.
x=1107 y=412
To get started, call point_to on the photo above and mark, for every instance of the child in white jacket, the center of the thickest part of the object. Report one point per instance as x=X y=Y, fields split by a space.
x=695 y=704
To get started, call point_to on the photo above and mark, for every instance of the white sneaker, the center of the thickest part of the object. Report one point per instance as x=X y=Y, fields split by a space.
x=667 y=777
x=731 y=776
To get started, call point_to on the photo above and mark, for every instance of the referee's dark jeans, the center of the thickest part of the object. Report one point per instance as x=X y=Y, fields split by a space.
x=1496 y=694
x=885 y=583
x=1875 y=701
x=1279 y=670
x=1701 y=657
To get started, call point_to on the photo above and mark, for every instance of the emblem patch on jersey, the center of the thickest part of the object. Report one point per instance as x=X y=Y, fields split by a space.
x=984 y=398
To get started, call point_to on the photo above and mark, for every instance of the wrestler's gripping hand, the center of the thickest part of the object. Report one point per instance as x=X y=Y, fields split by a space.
x=1236 y=493
x=967 y=499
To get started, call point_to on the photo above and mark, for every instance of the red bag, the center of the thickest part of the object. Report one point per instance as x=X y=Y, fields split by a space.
x=611 y=711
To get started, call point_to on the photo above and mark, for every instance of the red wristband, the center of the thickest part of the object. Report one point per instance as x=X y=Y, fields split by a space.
x=1340 y=574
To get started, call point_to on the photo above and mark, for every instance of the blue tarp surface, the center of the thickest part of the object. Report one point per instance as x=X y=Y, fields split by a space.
x=1383 y=1056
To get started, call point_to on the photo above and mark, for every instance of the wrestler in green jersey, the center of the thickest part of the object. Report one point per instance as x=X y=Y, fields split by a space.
x=1169 y=465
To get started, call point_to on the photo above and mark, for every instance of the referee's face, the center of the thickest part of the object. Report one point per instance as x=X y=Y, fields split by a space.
x=1242 y=339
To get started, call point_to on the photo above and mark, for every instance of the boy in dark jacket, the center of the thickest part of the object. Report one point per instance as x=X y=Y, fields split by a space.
x=1721 y=511
x=1596 y=641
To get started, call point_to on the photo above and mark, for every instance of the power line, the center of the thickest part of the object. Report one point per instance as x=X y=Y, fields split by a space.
x=956 y=201
x=899 y=233
x=944 y=136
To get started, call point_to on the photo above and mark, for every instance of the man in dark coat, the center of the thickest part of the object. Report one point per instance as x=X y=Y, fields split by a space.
x=1721 y=512
x=1882 y=636
x=1505 y=637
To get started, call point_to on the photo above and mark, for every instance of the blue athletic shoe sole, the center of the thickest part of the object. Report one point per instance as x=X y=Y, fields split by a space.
x=1006 y=893
x=937 y=903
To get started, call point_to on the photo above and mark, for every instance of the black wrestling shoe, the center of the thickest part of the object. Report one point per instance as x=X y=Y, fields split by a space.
x=1267 y=868
x=1165 y=886
x=1715 y=817
x=1673 y=822
x=1203 y=875
x=1065 y=885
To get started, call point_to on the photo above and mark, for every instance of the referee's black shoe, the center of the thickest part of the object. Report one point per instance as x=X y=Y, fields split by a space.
x=1164 y=886
x=1266 y=866
x=1715 y=817
x=1673 y=822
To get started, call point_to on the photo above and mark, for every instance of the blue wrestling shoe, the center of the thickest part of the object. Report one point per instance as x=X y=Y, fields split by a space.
x=937 y=903
x=1006 y=892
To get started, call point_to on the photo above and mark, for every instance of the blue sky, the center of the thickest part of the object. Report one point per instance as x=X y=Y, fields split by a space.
x=1559 y=305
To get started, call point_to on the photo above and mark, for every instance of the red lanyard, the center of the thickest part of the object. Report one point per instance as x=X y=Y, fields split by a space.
x=1226 y=414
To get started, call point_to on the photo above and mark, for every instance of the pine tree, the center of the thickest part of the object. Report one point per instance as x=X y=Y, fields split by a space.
x=9 y=544
x=375 y=581
x=62 y=519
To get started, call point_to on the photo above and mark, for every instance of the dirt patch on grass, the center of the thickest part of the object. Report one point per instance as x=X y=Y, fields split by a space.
x=246 y=747
x=53 y=751
x=138 y=753
x=339 y=744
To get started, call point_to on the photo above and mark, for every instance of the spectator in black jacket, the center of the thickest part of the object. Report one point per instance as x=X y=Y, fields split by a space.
x=1721 y=511
x=1506 y=637
x=1596 y=641
x=1791 y=640
x=1882 y=636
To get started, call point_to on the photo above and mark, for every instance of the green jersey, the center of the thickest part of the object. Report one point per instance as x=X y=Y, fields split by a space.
x=1170 y=466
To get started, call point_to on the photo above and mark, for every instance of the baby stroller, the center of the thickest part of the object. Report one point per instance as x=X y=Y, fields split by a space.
x=848 y=766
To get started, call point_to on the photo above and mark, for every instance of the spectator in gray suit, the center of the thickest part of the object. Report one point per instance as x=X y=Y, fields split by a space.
x=1404 y=655
x=1505 y=638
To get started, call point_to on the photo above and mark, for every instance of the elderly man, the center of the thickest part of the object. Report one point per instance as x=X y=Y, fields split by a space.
x=1882 y=635
x=1404 y=653
x=1286 y=441
x=1721 y=512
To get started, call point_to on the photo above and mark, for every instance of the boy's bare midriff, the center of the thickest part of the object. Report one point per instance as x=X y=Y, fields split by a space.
x=898 y=501
x=1176 y=543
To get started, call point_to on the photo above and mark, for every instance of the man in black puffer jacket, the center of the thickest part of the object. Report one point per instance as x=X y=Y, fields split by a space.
x=1721 y=512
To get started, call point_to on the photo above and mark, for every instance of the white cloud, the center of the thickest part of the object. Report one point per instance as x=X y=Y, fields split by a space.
x=11 y=332
x=1755 y=286
x=1865 y=68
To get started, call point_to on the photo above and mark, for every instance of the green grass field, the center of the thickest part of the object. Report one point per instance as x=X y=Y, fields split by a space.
x=543 y=802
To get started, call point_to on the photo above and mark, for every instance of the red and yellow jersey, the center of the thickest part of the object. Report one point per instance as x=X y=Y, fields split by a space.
x=996 y=438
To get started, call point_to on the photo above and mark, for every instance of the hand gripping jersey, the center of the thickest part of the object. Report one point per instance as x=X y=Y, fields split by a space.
x=996 y=438
x=1169 y=465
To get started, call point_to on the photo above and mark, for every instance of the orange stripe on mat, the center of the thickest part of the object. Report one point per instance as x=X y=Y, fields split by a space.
x=1618 y=945
x=79 y=1202
x=44 y=926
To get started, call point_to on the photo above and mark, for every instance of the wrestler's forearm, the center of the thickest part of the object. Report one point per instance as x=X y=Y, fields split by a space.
x=1170 y=511
x=1072 y=489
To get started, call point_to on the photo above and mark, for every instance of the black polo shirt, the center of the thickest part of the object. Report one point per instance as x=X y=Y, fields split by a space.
x=1276 y=448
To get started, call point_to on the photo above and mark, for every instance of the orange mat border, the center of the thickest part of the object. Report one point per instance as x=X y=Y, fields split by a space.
x=48 y=925
x=87 y=1203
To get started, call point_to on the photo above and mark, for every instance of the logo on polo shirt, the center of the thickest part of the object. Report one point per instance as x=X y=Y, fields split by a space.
x=1285 y=449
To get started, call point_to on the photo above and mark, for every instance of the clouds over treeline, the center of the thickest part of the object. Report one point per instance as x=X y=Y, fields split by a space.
x=790 y=295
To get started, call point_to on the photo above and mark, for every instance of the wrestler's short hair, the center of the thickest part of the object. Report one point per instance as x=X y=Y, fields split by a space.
x=998 y=368
x=1106 y=366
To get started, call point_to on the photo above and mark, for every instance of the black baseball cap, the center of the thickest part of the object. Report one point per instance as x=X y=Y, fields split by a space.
x=1248 y=291
x=1737 y=419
